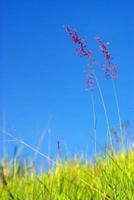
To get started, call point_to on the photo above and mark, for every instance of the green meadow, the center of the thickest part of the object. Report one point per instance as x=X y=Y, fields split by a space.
x=110 y=177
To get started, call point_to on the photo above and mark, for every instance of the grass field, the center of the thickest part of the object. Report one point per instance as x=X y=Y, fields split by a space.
x=111 y=177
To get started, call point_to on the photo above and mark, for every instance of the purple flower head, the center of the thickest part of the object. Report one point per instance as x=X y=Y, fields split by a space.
x=82 y=43
x=83 y=52
x=110 y=71
x=104 y=50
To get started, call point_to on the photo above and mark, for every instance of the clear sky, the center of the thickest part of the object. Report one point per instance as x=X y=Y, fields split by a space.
x=42 y=79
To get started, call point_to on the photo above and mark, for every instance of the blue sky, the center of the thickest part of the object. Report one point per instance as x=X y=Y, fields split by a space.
x=42 y=79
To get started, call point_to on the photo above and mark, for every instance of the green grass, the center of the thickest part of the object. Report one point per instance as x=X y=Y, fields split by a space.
x=73 y=180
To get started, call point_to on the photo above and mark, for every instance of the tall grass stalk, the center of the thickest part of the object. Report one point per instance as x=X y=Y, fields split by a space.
x=94 y=124
x=105 y=110
x=119 y=114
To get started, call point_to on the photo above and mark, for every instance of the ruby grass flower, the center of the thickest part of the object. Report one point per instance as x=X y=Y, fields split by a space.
x=82 y=43
x=83 y=52
x=110 y=70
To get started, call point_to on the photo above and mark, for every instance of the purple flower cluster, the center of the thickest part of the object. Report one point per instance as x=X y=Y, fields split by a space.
x=110 y=71
x=83 y=52
x=104 y=50
x=82 y=43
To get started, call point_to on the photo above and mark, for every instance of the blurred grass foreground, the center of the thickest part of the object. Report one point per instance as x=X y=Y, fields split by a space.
x=110 y=177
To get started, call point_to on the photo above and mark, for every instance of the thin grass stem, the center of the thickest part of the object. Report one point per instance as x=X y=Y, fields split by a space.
x=119 y=114
x=41 y=139
x=105 y=110
x=94 y=124
x=30 y=147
